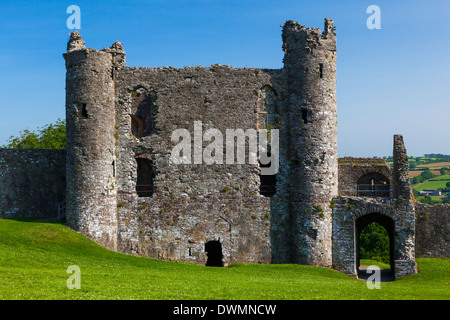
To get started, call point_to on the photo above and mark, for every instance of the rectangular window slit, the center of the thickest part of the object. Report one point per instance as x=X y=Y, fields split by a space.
x=84 y=112
x=305 y=115
x=114 y=168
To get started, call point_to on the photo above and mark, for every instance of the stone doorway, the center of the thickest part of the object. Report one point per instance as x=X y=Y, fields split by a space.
x=214 y=251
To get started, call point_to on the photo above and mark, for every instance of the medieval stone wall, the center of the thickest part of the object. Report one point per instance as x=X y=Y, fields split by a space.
x=191 y=204
x=432 y=230
x=351 y=170
x=32 y=182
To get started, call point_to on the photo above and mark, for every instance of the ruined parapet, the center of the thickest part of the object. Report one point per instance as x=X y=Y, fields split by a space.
x=118 y=55
x=75 y=43
x=405 y=259
x=310 y=72
x=401 y=169
x=90 y=120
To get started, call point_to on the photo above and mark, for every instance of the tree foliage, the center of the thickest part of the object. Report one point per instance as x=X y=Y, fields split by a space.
x=51 y=136
x=374 y=243
x=425 y=175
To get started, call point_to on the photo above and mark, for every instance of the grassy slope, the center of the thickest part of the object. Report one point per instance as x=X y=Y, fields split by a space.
x=368 y=262
x=34 y=257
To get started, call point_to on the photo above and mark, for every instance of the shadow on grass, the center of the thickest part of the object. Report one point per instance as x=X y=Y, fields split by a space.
x=386 y=275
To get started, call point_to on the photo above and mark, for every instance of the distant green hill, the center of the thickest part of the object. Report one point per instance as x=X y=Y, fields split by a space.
x=434 y=183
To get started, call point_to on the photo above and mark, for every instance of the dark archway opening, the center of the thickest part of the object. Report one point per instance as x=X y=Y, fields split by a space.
x=145 y=178
x=371 y=243
x=214 y=251
x=268 y=183
x=373 y=185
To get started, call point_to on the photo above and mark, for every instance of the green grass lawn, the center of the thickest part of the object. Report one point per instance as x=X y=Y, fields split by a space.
x=367 y=262
x=433 y=199
x=34 y=257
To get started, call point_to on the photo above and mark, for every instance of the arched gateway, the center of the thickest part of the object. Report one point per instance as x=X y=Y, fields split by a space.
x=395 y=213
x=387 y=223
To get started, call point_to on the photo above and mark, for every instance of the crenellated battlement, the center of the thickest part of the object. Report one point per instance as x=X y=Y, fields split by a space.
x=298 y=37
x=77 y=44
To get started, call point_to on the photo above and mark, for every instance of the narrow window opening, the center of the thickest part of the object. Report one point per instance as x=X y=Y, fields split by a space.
x=321 y=70
x=214 y=251
x=306 y=115
x=84 y=112
x=114 y=168
x=145 y=178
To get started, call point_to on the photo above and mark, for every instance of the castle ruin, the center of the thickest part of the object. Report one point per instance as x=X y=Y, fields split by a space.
x=121 y=189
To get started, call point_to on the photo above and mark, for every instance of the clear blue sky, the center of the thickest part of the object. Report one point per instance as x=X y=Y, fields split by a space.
x=392 y=80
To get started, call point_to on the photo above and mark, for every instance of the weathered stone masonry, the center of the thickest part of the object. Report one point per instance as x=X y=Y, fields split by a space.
x=124 y=192
x=394 y=211
x=32 y=182
x=90 y=123
x=432 y=230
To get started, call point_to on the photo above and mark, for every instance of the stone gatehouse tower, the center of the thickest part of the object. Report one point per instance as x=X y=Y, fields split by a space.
x=124 y=192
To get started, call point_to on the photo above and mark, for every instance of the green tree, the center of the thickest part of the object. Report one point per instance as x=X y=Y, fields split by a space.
x=374 y=243
x=51 y=136
x=427 y=174
x=426 y=199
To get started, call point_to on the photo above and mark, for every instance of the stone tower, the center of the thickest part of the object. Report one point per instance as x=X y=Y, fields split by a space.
x=310 y=74
x=91 y=142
